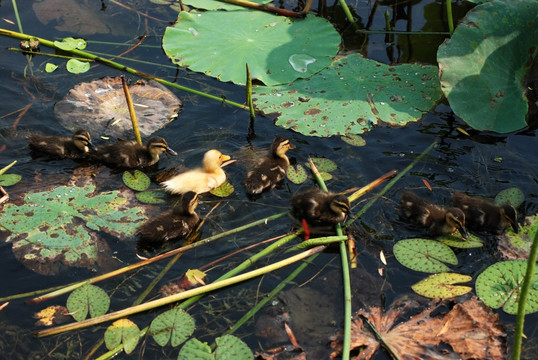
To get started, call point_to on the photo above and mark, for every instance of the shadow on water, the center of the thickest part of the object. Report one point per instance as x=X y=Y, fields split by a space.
x=480 y=164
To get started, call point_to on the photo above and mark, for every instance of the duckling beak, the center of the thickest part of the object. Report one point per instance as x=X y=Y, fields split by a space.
x=169 y=151
x=91 y=146
x=291 y=146
x=515 y=226
x=225 y=157
x=463 y=232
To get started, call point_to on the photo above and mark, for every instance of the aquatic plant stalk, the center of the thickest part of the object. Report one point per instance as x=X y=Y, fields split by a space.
x=348 y=14
x=183 y=295
x=449 y=17
x=248 y=90
x=522 y=301
x=120 y=67
x=7 y=167
x=271 y=9
x=132 y=112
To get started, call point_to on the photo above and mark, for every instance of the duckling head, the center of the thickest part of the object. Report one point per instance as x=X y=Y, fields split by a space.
x=456 y=219
x=279 y=147
x=213 y=159
x=189 y=202
x=83 y=141
x=157 y=145
x=509 y=214
x=340 y=205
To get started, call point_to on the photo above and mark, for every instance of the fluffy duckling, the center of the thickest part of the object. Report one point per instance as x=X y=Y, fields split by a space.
x=483 y=215
x=76 y=147
x=438 y=220
x=271 y=169
x=319 y=208
x=130 y=154
x=174 y=224
x=200 y=180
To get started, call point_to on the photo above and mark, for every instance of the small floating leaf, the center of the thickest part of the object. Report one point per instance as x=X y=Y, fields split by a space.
x=226 y=189
x=194 y=349
x=75 y=66
x=138 y=182
x=325 y=176
x=500 y=285
x=49 y=67
x=324 y=164
x=122 y=331
x=457 y=242
x=151 y=197
x=424 y=255
x=512 y=196
x=442 y=285
x=9 y=179
x=353 y=139
x=175 y=325
x=70 y=43
x=231 y=347
x=88 y=298
x=296 y=174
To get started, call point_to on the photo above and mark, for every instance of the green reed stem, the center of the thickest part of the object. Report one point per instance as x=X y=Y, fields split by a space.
x=248 y=90
x=449 y=17
x=522 y=302
x=348 y=13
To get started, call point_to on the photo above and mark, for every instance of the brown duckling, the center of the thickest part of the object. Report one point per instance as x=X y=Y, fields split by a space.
x=319 y=208
x=483 y=215
x=60 y=147
x=438 y=220
x=200 y=180
x=271 y=169
x=130 y=154
x=174 y=224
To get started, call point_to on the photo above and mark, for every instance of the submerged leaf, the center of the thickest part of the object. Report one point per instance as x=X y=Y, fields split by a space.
x=224 y=190
x=457 y=242
x=355 y=140
x=442 y=286
x=151 y=197
x=88 y=299
x=424 y=255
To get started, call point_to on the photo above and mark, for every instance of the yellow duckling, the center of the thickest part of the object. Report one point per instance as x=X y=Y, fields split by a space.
x=319 y=208
x=76 y=147
x=271 y=169
x=130 y=154
x=174 y=224
x=438 y=220
x=200 y=180
x=483 y=215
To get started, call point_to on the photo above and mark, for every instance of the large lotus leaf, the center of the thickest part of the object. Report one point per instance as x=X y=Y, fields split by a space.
x=500 y=285
x=218 y=5
x=484 y=64
x=424 y=255
x=351 y=96
x=52 y=227
x=277 y=49
x=442 y=286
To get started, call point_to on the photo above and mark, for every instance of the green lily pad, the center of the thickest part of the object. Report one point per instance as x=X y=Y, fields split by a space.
x=194 y=349
x=224 y=190
x=351 y=96
x=512 y=196
x=355 y=140
x=276 y=48
x=517 y=246
x=151 y=197
x=484 y=65
x=500 y=285
x=70 y=43
x=175 y=325
x=424 y=255
x=231 y=347
x=75 y=66
x=323 y=164
x=325 y=176
x=88 y=299
x=57 y=227
x=137 y=181
x=218 y=5
x=9 y=179
x=457 y=242
x=296 y=174
x=442 y=285
x=122 y=331
x=50 y=67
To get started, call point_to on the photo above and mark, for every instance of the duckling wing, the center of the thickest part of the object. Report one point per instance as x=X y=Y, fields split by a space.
x=265 y=175
x=196 y=180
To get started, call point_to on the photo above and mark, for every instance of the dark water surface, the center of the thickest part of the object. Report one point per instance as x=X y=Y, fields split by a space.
x=458 y=162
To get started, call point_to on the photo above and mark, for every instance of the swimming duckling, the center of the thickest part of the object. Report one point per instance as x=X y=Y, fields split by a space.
x=130 y=154
x=174 y=224
x=483 y=215
x=200 y=180
x=319 y=208
x=60 y=147
x=271 y=169
x=438 y=220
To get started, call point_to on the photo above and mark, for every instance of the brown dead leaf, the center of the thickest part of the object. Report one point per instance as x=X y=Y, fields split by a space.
x=470 y=328
x=52 y=315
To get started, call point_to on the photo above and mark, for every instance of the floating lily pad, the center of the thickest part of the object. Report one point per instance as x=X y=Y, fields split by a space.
x=50 y=67
x=231 y=347
x=457 y=242
x=517 y=246
x=137 y=181
x=442 y=285
x=75 y=66
x=325 y=176
x=151 y=197
x=70 y=43
x=56 y=227
x=224 y=190
x=484 y=64
x=512 y=196
x=218 y=5
x=100 y=107
x=500 y=285
x=276 y=48
x=88 y=299
x=351 y=96
x=122 y=331
x=424 y=255
x=355 y=140
x=195 y=349
x=9 y=179
x=175 y=325
x=296 y=174
x=323 y=164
